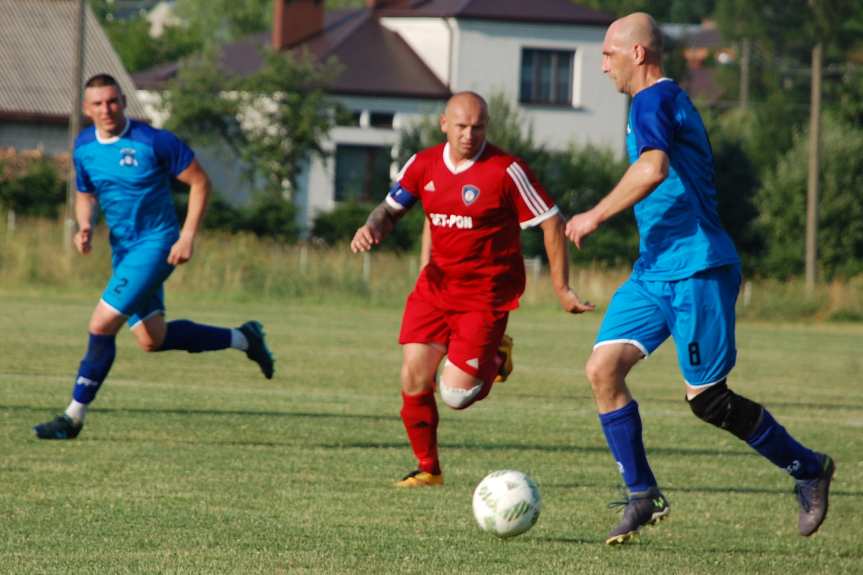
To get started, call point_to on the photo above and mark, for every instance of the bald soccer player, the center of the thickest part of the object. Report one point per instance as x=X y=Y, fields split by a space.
x=684 y=285
x=476 y=198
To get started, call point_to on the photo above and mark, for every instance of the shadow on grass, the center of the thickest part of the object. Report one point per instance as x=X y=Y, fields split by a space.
x=547 y=448
x=211 y=412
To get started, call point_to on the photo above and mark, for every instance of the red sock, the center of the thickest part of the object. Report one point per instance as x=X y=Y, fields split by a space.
x=419 y=414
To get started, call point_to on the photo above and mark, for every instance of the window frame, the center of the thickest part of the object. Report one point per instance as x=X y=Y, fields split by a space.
x=535 y=81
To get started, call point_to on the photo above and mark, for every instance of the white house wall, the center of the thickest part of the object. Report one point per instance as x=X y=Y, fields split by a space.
x=430 y=38
x=318 y=195
x=53 y=139
x=489 y=60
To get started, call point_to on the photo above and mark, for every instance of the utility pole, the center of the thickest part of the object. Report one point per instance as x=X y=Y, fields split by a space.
x=74 y=119
x=814 y=169
x=745 y=58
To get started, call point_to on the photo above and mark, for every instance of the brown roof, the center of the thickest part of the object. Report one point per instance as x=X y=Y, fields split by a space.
x=545 y=11
x=377 y=61
x=37 y=39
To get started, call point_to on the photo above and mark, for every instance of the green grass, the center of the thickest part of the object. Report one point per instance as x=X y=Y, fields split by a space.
x=196 y=464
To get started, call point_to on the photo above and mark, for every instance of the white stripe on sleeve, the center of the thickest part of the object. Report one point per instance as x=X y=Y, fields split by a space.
x=530 y=196
x=404 y=169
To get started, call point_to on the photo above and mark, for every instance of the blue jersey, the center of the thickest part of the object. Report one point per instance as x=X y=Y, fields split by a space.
x=130 y=175
x=678 y=223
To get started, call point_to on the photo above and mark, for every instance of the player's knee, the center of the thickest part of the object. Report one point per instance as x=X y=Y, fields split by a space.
x=599 y=372
x=414 y=381
x=457 y=398
x=148 y=343
x=723 y=408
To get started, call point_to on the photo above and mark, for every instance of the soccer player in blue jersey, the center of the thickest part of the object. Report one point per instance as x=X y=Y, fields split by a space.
x=684 y=285
x=125 y=167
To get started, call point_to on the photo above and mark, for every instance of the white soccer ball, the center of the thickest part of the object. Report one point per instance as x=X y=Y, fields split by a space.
x=506 y=503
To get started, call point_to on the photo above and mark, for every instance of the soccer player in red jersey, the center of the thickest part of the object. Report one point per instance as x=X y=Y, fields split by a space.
x=476 y=198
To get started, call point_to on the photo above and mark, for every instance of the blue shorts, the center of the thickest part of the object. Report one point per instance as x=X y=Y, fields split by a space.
x=135 y=288
x=698 y=312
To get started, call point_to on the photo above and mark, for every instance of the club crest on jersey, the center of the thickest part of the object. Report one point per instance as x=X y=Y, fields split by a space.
x=469 y=194
x=127 y=157
x=429 y=186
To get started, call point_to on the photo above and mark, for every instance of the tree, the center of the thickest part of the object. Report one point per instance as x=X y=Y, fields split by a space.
x=782 y=205
x=273 y=120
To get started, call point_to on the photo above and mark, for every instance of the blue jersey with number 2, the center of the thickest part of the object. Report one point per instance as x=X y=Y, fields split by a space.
x=678 y=223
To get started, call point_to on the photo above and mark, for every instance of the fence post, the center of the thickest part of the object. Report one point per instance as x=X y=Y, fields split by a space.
x=10 y=223
x=367 y=267
x=304 y=259
x=747 y=294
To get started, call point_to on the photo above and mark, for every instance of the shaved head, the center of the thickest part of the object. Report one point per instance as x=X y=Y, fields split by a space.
x=632 y=52
x=640 y=29
x=467 y=100
x=464 y=121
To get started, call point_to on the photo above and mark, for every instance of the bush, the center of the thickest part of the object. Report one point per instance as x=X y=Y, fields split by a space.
x=38 y=192
x=782 y=205
x=339 y=226
x=582 y=176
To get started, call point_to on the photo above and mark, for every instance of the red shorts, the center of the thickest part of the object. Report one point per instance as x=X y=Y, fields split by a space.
x=471 y=338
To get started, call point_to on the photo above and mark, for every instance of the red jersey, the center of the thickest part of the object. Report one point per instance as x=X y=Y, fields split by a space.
x=475 y=213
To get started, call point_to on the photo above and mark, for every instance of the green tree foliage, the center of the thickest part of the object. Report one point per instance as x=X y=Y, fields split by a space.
x=273 y=120
x=220 y=21
x=139 y=51
x=682 y=11
x=782 y=205
x=39 y=191
x=339 y=225
x=581 y=177
x=286 y=117
x=203 y=24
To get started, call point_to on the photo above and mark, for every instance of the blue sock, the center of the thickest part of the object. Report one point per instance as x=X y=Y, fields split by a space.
x=94 y=368
x=195 y=337
x=773 y=442
x=622 y=430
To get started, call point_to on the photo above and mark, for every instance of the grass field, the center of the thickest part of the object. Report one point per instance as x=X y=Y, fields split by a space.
x=196 y=464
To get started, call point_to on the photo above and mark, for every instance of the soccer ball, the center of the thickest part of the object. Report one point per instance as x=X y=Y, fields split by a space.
x=506 y=503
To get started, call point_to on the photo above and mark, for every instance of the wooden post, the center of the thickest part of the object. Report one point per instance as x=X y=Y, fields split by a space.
x=814 y=168
x=74 y=121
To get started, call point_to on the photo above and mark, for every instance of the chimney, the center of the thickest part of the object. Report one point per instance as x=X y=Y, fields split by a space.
x=296 y=20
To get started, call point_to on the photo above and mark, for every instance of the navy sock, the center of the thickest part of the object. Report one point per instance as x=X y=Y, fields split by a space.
x=622 y=429
x=195 y=337
x=772 y=441
x=94 y=368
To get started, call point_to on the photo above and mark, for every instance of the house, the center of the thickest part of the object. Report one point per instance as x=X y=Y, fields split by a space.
x=403 y=58
x=37 y=44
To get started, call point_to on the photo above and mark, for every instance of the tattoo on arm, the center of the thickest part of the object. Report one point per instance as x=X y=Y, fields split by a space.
x=383 y=218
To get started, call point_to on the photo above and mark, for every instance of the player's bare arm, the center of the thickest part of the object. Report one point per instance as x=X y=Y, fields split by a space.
x=425 y=246
x=640 y=179
x=555 y=249
x=379 y=224
x=85 y=206
x=198 y=181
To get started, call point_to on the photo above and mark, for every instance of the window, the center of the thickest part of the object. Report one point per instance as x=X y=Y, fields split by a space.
x=381 y=119
x=362 y=172
x=546 y=77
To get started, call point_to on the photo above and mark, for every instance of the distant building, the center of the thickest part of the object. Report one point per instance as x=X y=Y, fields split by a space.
x=37 y=47
x=402 y=59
